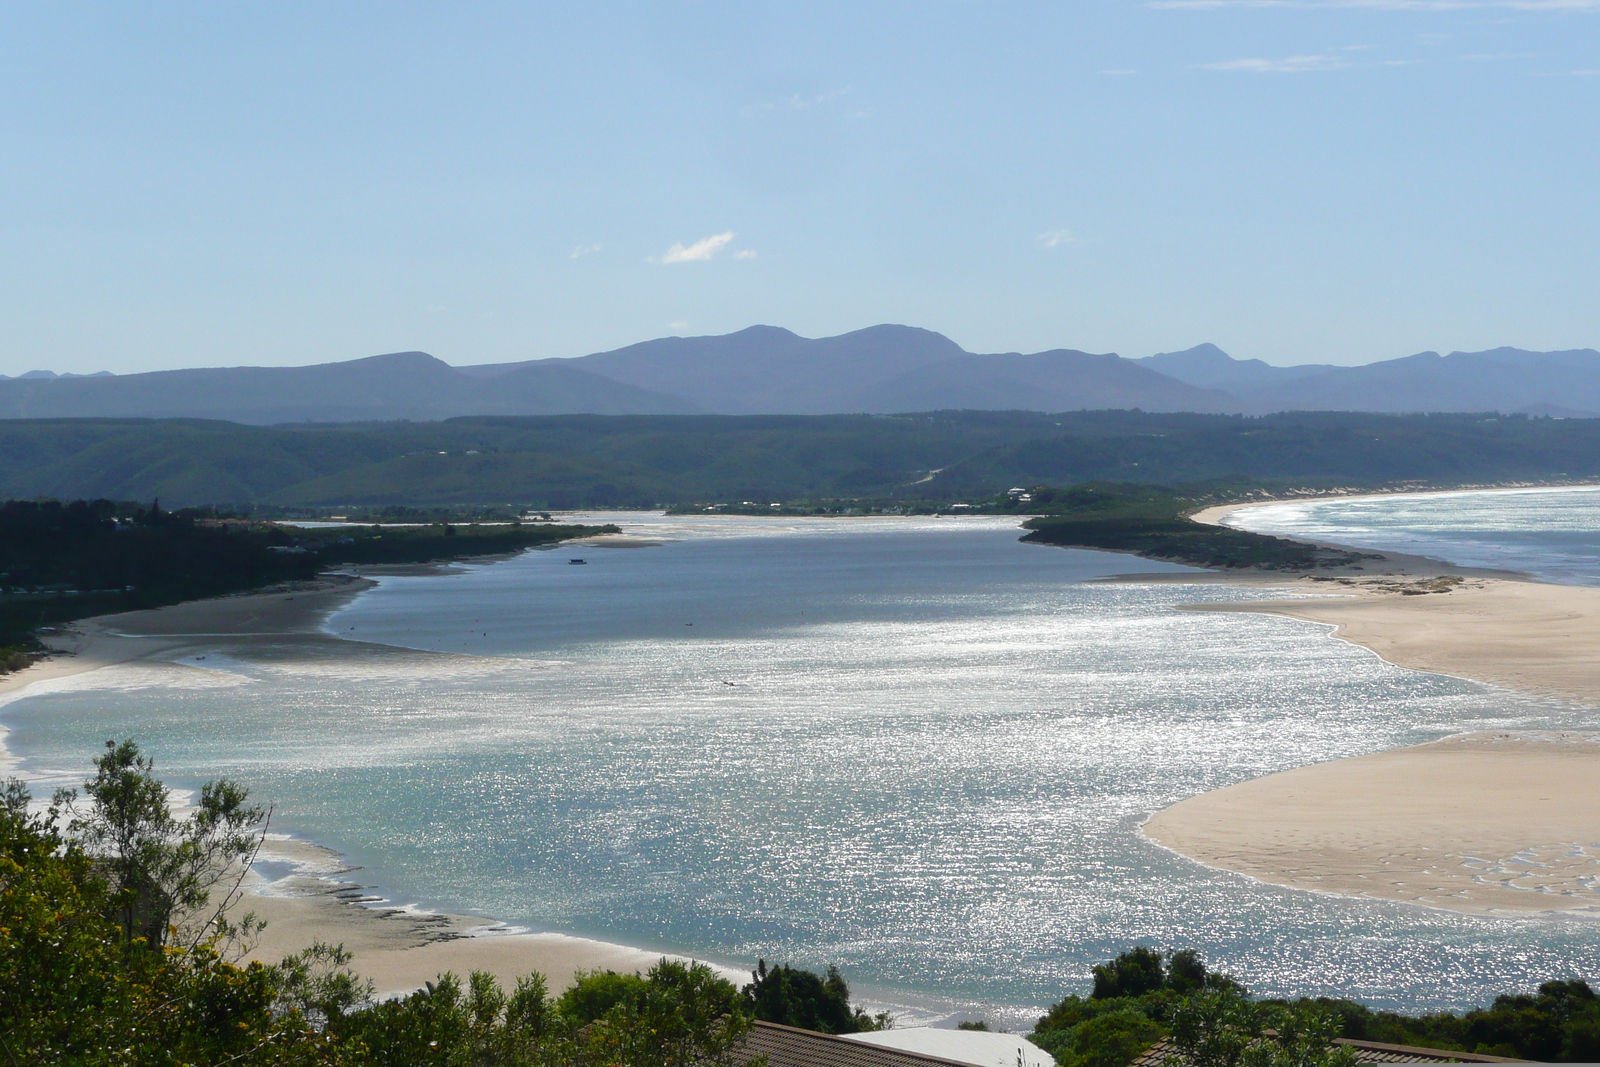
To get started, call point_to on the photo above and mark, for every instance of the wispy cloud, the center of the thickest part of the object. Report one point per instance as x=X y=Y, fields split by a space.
x=1056 y=238
x=681 y=324
x=586 y=250
x=700 y=251
x=1287 y=65
x=745 y=253
x=794 y=102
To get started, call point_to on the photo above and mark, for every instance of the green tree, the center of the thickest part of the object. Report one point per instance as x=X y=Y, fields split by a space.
x=1143 y=970
x=810 y=1001
x=161 y=870
x=73 y=990
x=1220 y=1028
x=1131 y=974
x=1109 y=1040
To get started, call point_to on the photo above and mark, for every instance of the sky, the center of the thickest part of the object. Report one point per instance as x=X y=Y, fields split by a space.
x=1297 y=181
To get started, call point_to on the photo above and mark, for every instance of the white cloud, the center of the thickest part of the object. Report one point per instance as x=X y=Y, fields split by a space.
x=681 y=324
x=701 y=250
x=1287 y=65
x=1055 y=238
x=745 y=253
x=586 y=250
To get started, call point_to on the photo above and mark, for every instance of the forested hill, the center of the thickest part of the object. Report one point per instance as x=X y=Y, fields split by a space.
x=572 y=461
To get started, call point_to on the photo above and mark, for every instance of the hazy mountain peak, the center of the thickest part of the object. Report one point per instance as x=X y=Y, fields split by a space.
x=396 y=360
x=1210 y=367
x=1206 y=355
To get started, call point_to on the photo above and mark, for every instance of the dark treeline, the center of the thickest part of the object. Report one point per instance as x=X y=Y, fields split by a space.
x=575 y=461
x=68 y=561
x=1152 y=521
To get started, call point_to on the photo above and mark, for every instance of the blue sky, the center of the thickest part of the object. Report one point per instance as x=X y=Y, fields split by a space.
x=1298 y=181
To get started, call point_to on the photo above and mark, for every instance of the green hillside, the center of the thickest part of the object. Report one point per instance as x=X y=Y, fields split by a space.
x=573 y=461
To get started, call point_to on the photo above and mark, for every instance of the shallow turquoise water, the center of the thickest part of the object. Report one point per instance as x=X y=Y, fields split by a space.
x=917 y=749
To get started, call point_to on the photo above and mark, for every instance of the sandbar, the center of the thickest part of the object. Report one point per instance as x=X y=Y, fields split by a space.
x=1488 y=823
x=1480 y=823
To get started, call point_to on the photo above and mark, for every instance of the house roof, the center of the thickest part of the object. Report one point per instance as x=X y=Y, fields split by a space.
x=788 y=1046
x=1162 y=1054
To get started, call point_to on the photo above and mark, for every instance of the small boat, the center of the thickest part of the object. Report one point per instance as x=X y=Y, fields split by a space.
x=577 y=562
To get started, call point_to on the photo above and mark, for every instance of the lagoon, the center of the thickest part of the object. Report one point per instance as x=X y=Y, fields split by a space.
x=914 y=748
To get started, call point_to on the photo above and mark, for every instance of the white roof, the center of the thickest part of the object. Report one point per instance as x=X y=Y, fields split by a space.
x=976 y=1047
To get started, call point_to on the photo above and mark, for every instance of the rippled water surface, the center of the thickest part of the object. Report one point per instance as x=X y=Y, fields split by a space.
x=914 y=748
x=1551 y=533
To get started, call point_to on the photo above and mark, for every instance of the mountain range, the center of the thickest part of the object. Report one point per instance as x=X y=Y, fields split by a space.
x=767 y=370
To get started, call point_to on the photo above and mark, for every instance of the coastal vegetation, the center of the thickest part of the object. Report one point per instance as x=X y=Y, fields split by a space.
x=1154 y=522
x=63 y=561
x=1147 y=520
x=114 y=949
x=1143 y=996
x=933 y=458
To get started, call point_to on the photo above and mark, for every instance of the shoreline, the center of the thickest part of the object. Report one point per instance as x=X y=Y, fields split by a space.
x=1446 y=823
x=1211 y=516
x=1451 y=824
x=398 y=947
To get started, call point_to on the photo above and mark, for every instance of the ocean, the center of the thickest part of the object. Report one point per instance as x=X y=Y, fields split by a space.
x=1553 y=534
x=914 y=748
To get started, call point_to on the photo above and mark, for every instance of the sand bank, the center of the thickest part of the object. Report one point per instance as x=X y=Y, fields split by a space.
x=1536 y=638
x=1481 y=823
x=1491 y=823
x=292 y=611
x=401 y=948
x=320 y=900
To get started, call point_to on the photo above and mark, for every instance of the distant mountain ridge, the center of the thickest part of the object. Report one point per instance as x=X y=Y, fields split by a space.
x=885 y=369
x=765 y=370
x=1210 y=367
x=1509 y=380
x=397 y=386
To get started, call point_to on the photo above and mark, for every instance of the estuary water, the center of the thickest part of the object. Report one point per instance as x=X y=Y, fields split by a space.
x=914 y=748
x=1553 y=533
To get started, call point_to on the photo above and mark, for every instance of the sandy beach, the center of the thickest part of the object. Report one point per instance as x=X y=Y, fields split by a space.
x=1485 y=823
x=399 y=949
x=315 y=895
x=1480 y=823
